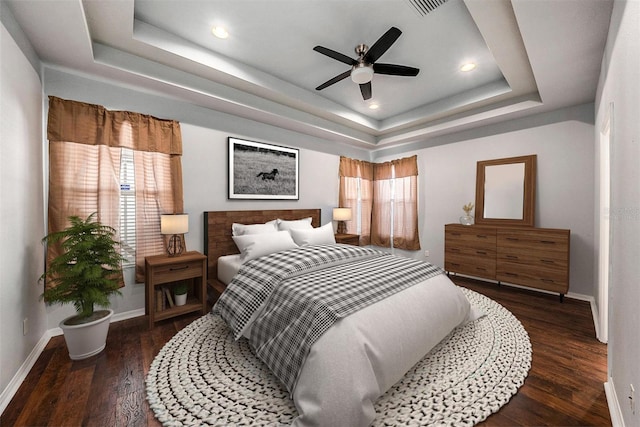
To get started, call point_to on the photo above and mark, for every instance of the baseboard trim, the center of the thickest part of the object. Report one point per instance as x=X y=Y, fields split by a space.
x=15 y=383
x=617 y=420
x=17 y=380
x=116 y=318
x=596 y=322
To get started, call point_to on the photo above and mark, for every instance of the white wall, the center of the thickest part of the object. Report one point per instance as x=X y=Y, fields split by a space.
x=21 y=211
x=620 y=84
x=564 y=184
x=204 y=164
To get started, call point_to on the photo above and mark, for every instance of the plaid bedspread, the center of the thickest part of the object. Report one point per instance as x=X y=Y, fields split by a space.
x=306 y=291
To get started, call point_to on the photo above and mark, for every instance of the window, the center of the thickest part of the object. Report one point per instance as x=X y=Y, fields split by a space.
x=127 y=207
x=356 y=193
x=93 y=168
x=384 y=197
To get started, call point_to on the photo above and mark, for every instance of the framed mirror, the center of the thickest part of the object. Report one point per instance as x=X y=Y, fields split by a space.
x=506 y=191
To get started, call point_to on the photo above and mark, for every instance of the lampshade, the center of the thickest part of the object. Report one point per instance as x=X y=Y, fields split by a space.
x=174 y=223
x=362 y=74
x=342 y=214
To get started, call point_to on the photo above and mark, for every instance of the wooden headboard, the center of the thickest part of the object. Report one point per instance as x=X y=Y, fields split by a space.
x=217 y=230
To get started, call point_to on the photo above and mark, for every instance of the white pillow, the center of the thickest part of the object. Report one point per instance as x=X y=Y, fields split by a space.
x=244 y=229
x=315 y=236
x=256 y=245
x=297 y=224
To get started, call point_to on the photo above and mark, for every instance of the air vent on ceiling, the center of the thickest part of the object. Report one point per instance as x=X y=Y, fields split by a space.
x=425 y=6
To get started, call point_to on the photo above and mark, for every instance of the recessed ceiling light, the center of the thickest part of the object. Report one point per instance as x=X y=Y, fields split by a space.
x=468 y=66
x=220 y=32
x=373 y=106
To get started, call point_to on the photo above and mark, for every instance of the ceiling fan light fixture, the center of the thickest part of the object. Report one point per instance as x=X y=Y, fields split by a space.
x=362 y=74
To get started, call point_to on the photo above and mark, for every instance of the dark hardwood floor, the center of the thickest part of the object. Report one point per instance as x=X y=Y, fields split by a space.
x=564 y=386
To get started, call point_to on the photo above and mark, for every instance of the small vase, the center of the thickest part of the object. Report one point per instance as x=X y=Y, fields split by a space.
x=466 y=220
x=181 y=299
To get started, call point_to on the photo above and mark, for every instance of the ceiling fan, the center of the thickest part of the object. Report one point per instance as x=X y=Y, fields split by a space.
x=363 y=68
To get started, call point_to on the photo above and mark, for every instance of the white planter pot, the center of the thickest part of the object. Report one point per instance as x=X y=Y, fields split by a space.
x=181 y=299
x=87 y=339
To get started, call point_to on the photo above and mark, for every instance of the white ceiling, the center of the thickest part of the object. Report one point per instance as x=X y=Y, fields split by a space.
x=532 y=56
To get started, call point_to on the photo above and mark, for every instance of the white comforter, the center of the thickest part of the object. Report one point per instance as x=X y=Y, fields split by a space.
x=362 y=355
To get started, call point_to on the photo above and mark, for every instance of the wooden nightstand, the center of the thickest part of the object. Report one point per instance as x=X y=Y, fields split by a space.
x=162 y=271
x=348 y=239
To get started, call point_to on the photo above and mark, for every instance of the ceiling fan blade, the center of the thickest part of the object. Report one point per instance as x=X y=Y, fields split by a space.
x=395 y=70
x=365 y=89
x=335 y=55
x=381 y=46
x=336 y=79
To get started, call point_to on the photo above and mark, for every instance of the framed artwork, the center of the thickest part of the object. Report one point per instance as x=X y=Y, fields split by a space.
x=262 y=171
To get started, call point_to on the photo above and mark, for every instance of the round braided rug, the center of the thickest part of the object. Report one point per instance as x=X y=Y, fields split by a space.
x=203 y=377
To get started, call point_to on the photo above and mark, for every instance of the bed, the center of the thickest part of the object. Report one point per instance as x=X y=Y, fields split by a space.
x=337 y=324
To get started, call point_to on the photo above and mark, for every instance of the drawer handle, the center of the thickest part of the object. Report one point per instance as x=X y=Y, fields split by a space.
x=547 y=261
x=454 y=250
x=548 y=242
x=548 y=280
x=481 y=269
x=178 y=268
x=455 y=234
x=481 y=236
x=510 y=274
x=481 y=252
x=512 y=257
x=512 y=239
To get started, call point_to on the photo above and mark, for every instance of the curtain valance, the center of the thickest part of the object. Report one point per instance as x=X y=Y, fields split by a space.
x=353 y=168
x=82 y=123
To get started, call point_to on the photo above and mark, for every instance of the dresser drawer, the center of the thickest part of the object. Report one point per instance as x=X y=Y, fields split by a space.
x=474 y=266
x=469 y=251
x=550 y=279
x=176 y=271
x=540 y=239
x=538 y=257
x=470 y=237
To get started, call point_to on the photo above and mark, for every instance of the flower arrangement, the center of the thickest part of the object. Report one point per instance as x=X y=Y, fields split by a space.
x=468 y=208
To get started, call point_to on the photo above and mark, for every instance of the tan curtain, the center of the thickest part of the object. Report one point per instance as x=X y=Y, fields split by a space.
x=84 y=162
x=354 y=173
x=154 y=173
x=398 y=178
x=82 y=179
x=381 y=214
x=405 y=214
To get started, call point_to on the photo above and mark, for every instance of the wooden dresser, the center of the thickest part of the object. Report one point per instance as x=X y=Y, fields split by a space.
x=533 y=257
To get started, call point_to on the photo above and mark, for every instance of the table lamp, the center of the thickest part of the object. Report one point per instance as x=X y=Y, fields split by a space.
x=174 y=224
x=341 y=215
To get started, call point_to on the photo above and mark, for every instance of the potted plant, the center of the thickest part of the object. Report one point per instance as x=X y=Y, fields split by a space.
x=86 y=274
x=180 y=293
